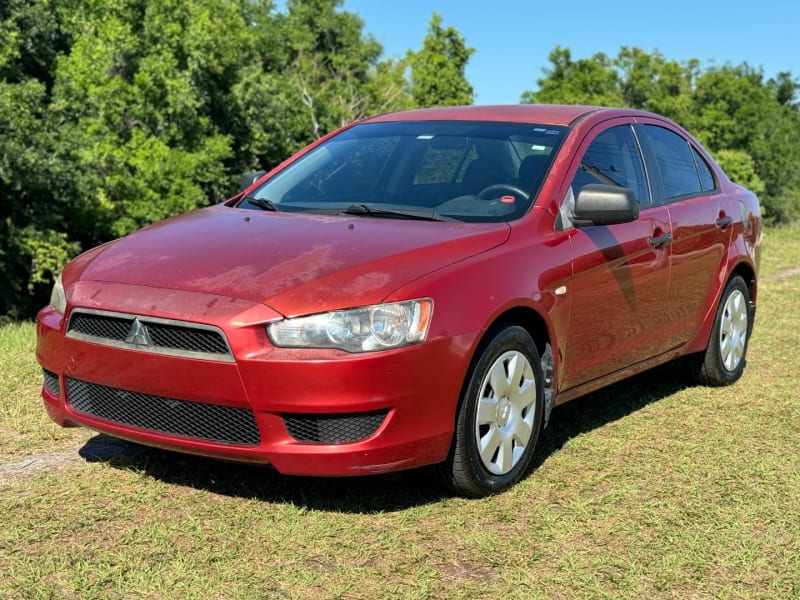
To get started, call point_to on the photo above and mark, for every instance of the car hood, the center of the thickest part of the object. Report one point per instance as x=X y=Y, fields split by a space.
x=294 y=263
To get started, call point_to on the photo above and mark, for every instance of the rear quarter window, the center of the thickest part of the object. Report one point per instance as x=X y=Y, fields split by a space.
x=707 y=181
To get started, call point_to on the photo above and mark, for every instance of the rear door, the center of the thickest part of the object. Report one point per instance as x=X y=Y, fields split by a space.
x=701 y=227
x=620 y=286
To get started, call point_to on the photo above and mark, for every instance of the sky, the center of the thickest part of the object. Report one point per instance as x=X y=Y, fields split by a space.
x=513 y=38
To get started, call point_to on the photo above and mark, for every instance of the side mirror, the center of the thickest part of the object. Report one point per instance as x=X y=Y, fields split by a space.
x=247 y=180
x=602 y=204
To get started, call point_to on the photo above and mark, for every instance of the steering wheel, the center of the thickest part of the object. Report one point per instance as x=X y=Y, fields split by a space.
x=502 y=189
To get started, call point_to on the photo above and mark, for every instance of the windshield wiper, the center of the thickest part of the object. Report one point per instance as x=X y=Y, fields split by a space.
x=262 y=203
x=367 y=211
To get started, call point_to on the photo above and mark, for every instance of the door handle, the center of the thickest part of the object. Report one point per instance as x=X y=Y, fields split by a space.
x=660 y=240
x=723 y=222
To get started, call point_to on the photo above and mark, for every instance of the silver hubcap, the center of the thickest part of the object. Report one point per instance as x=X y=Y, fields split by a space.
x=506 y=408
x=733 y=330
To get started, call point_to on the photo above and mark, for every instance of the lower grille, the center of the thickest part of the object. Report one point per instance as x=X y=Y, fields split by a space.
x=51 y=382
x=333 y=429
x=212 y=422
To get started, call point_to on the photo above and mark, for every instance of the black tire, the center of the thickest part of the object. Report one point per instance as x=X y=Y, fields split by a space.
x=511 y=404
x=724 y=358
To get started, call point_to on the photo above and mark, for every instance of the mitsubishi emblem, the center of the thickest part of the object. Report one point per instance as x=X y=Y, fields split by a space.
x=138 y=334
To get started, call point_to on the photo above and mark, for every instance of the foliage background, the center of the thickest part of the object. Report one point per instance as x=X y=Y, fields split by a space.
x=118 y=113
x=750 y=124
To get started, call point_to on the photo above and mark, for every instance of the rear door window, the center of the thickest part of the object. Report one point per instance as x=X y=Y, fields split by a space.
x=676 y=163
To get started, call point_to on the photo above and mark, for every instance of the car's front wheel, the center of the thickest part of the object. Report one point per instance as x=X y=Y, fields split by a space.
x=723 y=361
x=499 y=415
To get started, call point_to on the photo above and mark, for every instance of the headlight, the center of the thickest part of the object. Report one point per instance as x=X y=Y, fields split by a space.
x=377 y=327
x=58 y=298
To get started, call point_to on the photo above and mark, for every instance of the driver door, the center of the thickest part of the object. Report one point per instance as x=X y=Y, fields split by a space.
x=620 y=282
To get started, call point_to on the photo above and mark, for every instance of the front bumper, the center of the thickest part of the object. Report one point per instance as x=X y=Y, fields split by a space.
x=305 y=412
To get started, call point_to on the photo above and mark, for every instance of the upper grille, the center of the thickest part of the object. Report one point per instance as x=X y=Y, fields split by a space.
x=212 y=422
x=101 y=326
x=149 y=334
x=333 y=429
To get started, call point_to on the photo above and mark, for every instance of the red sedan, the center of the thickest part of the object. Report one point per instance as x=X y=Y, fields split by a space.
x=416 y=288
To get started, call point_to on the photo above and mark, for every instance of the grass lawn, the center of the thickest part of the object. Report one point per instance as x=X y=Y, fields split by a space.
x=648 y=488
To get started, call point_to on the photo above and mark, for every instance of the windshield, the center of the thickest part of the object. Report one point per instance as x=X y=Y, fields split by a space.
x=453 y=170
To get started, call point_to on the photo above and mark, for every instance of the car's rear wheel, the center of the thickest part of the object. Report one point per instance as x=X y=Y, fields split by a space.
x=723 y=361
x=499 y=415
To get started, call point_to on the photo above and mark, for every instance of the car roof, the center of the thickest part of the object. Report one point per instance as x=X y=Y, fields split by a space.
x=552 y=114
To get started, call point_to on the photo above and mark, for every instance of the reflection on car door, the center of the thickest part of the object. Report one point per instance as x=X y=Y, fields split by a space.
x=619 y=295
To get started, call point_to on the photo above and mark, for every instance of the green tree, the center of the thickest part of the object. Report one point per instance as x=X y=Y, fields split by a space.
x=750 y=124
x=738 y=110
x=437 y=70
x=650 y=81
x=117 y=113
x=582 y=81
x=35 y=183
x=317 y=71
x=138 y=94
x=741 y=168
